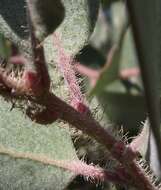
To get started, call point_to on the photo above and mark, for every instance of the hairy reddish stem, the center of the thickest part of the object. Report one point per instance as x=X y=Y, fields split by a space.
x=118 y=149
x=91 y=172
x=65 y=63
x=96 y=173
x=121 y=152
x=39 y=63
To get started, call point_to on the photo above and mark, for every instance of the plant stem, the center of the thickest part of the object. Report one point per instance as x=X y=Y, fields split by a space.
x=65 y=64
x=122 y=153
x=39 y=63
x=78 y=167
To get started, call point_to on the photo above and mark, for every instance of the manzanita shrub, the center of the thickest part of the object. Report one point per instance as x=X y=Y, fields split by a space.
x=54 y=125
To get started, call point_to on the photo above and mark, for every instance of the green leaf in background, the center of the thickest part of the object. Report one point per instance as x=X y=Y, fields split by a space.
x=5 y=50
x=119 y=19
x=123 y=108
x=110 y=71
x=129 y=58
x=23 y=136
x=122 y=101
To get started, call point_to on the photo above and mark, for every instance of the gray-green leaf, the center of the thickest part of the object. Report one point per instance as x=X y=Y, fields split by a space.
x=21 y=135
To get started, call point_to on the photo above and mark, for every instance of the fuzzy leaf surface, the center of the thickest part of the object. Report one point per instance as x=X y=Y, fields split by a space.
x=79 y=22
x=23 y=136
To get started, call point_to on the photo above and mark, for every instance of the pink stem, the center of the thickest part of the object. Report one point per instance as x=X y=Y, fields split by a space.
x=65 y=63
x=94 y=172
x=94 y=74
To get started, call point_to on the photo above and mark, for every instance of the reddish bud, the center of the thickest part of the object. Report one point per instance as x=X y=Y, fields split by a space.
x=33 y=82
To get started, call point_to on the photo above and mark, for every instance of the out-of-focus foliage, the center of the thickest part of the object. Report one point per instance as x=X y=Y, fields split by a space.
x=5 y=47
x=121 y=99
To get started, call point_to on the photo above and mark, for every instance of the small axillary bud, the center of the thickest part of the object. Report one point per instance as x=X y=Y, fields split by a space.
x=32 y=82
